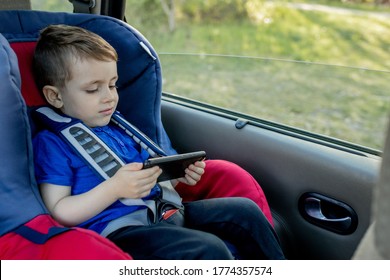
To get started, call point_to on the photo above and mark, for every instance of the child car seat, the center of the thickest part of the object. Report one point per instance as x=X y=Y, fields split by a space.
x=139 y=88
x=26 y=230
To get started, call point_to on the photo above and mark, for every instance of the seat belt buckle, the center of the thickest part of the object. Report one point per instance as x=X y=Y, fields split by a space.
x=168 y=213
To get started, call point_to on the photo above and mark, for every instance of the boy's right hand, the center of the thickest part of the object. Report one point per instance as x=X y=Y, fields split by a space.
x=131 y=181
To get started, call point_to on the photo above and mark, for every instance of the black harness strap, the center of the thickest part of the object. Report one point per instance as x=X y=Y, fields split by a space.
x=38 y=237
x=83 y=6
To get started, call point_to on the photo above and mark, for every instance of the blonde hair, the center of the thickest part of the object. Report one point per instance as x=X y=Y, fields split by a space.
x=57 y=47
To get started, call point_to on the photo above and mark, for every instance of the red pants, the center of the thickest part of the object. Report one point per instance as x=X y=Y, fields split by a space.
x=226 y=179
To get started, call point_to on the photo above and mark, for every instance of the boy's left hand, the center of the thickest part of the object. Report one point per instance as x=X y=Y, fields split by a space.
x=193 y=173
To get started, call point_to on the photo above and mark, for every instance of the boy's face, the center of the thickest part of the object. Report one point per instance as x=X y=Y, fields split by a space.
x=91 y=94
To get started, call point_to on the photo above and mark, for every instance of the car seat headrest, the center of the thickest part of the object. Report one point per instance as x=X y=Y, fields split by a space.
x=24 y=51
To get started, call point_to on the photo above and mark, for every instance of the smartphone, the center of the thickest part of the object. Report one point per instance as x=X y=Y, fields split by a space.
x=174 y=166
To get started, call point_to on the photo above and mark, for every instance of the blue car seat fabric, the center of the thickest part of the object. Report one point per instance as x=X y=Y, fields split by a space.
x=138 y=65
x=17 y=181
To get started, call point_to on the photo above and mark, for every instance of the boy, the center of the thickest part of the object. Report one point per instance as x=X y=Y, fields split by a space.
x=76 y=71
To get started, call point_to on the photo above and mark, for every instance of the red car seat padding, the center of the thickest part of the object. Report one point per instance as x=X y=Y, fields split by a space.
x=74 y=244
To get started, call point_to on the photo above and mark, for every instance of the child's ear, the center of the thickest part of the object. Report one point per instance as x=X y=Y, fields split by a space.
x=53 y=96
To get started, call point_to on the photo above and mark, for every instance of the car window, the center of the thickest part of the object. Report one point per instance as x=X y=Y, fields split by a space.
x=322 y=69
x=52 y=5
x=319 y=66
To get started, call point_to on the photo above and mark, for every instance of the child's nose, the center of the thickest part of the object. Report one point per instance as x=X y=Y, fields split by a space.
x=109 y=94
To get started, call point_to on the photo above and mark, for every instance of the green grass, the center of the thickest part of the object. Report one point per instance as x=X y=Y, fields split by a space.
x=347 y=103
x=286 y=33
x=368 y=7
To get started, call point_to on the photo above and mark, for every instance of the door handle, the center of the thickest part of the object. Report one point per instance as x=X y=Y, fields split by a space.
x=314 y=211
x=328 y=213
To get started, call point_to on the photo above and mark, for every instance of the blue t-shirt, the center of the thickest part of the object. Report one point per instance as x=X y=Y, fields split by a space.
x=57 y=163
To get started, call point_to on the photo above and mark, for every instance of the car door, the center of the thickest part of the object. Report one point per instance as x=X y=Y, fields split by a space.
x=319 y=193
x=247 y=109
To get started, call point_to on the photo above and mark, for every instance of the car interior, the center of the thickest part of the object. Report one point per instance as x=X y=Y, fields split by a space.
x=139 y=85
x=323 y=196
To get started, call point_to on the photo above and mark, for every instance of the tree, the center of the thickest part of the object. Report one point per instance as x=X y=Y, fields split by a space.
x=169 y=10
x=383 y=2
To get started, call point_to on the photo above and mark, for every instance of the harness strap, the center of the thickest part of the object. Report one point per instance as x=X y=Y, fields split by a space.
x=83 y=6
x=101 y=157
x=38 y=237
x=140 y=138
x=86 y=143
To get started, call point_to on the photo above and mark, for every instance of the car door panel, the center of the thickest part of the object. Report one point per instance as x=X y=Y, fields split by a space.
x=287 y=168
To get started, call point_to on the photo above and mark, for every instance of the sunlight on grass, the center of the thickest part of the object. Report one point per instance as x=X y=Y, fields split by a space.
x=292 y=34
x=346 y=103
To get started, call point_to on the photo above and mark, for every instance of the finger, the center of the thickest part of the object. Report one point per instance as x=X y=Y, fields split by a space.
x=133 y=166
x=145 y=193
x=149 y=177
x=193 y=175
x=152 y=172
x=196 y=169
x=190 y=181
x=143 y=189
x=201 y=164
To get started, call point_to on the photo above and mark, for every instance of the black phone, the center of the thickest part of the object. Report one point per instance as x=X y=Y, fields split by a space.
x=174 y=166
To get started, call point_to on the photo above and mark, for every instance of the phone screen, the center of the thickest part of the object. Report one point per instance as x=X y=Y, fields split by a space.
x=173 y=167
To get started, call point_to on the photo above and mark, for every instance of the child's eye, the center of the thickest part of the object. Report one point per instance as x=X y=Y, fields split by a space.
x=92 y=90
